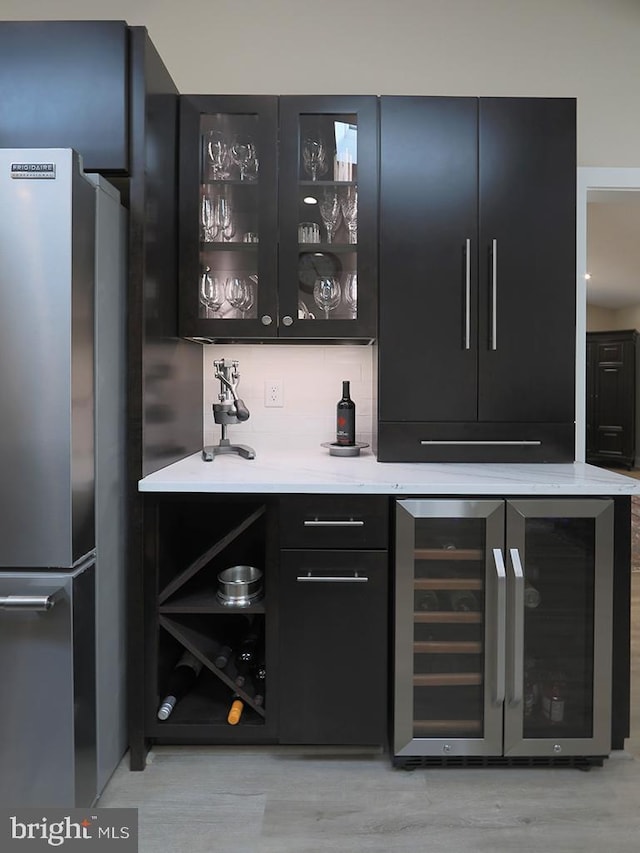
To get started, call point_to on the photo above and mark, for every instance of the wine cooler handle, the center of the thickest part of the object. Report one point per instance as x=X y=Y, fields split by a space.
x=38 y=603
x=317 y=523
x=494 y=295
x=501 y=637
x=309 y=578
x=517 y=668
x=467 y=294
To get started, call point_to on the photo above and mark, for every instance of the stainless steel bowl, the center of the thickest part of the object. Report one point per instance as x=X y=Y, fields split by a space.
x=239 y=586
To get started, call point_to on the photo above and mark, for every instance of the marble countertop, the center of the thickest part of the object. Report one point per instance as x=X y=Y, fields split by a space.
x=315 y=471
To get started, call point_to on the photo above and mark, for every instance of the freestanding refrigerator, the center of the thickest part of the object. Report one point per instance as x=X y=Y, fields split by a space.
x=62 y=479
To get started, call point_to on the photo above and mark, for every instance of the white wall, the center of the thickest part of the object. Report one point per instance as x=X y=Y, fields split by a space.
x=589 y=49
x=609 y=319
x=312 y=379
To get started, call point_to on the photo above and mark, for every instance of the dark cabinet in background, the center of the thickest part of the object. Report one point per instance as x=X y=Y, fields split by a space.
x=278 y=217
x=613 y=420
x=477 y=279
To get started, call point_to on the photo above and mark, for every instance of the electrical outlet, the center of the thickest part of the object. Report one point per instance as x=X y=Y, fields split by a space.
x=273 y=393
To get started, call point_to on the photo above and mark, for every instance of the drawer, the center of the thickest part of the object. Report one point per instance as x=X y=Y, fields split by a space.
x=475 y=442
x=334 y=521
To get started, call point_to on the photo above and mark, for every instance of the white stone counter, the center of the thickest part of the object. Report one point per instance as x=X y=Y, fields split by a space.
x=315 y=471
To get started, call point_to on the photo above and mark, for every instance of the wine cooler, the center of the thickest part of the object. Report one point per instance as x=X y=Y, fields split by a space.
x=503 y=619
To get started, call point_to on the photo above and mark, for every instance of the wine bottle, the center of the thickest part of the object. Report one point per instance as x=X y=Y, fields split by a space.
x=182 y=679
x=464 y=600
x=230 y=639
x=346 y=418
x=246 y=655
x=428 y=600
x=531 y=596
x=235 y=710
x=259 y=673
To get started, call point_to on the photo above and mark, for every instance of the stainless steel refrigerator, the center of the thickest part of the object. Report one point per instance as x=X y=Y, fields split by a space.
x=62 y=479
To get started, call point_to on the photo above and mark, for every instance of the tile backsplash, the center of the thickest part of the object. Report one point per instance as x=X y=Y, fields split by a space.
x=311 y=378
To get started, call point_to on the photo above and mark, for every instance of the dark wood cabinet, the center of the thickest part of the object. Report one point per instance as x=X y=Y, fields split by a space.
x=613 y=420
x=477 y=279
x=276 y=194
x=67 y=86
x=333 y=618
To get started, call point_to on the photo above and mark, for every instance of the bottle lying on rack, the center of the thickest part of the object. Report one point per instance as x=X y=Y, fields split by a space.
x=234 y=631
x=259 y=673
x=182 y=679
x=464 y=600
x=427 y=600
x=235 y=710
x=247 y=653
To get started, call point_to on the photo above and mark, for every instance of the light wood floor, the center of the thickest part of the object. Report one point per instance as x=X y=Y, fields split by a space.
x=237 y=800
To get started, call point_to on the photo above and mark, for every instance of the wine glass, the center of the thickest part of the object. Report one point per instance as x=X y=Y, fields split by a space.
x=314 y=157
x=239 y=294
x=329 y=207
x=224 y=215
x=326 y=294
x=349 y=206
x=243 y=154
x=217 y=154
x=350 y=293
x=211 y=292
x=208 y=219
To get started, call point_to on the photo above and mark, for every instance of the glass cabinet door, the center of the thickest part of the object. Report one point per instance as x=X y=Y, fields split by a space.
x=228 y=217
x=328 y=197
x=560 y=570
x=449 y=658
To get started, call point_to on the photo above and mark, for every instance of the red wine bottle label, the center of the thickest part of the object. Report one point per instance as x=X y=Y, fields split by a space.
x=346 y=426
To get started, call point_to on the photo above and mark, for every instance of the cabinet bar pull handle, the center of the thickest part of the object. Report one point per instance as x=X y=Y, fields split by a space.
x=517 y=668
x=309 y=578
x=494 y=294
x=467 y=295
x=317 y=523
x=501 y=443
x=501 y=639
x=38 y=603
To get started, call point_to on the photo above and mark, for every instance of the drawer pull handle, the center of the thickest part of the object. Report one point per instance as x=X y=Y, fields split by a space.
x=39 y=603
x=309 y=578
x=317 y=523
x=501 y=443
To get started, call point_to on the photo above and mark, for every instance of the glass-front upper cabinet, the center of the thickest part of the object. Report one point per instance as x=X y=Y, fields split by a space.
x=278 y=217
x=228 y=217
x=328 y=226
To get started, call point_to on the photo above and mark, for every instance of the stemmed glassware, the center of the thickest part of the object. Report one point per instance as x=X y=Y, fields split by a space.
x=326 y=294
x=209 y=227
x=349 y=207
x=244 y=155
x=211 y=292
x=240 y=294
x=314 y=157
x=350 y=293
x=217 y=155
x=224 y=216
x=329 y=207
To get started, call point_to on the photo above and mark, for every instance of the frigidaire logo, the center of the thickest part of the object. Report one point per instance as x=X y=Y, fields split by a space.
x=33 y=170
x=42 y=829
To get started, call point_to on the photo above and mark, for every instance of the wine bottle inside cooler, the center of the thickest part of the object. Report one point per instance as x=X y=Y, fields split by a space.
x=182 y=679
x=464 y=600
x=346 y=418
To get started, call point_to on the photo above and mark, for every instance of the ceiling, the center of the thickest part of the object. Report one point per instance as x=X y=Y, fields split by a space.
x=613 y=248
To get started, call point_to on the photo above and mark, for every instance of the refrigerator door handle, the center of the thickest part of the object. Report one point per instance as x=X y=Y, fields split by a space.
x=500 y=625
x=517 y=659
x=37 y=603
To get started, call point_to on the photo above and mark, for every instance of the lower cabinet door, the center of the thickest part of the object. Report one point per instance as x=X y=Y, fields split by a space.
x=333 y=647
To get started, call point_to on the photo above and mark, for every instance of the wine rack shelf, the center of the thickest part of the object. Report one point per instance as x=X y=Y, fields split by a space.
x=448 y=554
x=470 y=617
x=451 y=647
x=205 y=602
x=448 y=583
x=446 y=727
x=448 y=679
